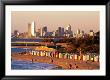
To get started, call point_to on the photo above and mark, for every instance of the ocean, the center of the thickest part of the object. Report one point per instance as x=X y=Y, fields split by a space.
x=28 y=65
x=14 y=50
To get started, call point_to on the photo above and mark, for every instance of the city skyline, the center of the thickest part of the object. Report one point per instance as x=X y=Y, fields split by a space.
x=83 y=20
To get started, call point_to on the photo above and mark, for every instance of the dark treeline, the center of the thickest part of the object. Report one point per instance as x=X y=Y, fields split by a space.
x=88 y=44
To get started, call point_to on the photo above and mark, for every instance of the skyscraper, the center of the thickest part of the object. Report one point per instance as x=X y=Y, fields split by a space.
x=31 y=29
x=68 y=31
x=62 y=32
x=41 y=32
x=59 y=31
x=68 y=28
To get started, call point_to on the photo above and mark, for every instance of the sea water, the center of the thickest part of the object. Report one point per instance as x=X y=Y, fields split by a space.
x=14 y=50
x=28 y=65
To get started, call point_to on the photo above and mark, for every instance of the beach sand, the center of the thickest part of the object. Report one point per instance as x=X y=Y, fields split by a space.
x=64 y=63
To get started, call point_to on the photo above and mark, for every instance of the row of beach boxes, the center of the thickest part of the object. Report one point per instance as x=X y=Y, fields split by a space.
x=83 y=57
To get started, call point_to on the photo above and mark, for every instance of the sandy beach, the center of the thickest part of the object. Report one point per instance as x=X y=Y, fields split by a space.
x=64 y=63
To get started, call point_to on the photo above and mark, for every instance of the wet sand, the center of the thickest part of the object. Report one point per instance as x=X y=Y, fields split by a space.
x=64 y=63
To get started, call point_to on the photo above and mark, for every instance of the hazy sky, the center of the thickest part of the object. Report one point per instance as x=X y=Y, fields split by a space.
x=84 y=20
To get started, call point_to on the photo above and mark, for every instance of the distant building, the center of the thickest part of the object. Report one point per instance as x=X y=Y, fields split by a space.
x=78 y=34
x=78 y=31
x=68 y=31
x=53 y=34
x=62 y=32
x=59 y=31
x=23 y=35
x=74 y=35
x=82 y=34
x=44 y=30
x=38 y=30
x=68 y=28
x=16 y=33
x=41 y=33
x=48 y=34
x=37 y=34
x=91 y=33
x=31 y=29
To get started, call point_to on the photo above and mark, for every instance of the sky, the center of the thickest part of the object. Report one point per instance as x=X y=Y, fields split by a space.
x=83 y=20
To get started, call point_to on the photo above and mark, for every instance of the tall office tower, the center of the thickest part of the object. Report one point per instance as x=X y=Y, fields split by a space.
x=33 y=28
x=59 y=31
x=68 y=28
x=41 y=33
x=56 y=33
x=62 y=31
x=29 y=30
x=68 y=31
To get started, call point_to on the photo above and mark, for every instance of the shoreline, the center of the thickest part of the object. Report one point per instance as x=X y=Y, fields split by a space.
x=64 y=63
x=35 y=67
